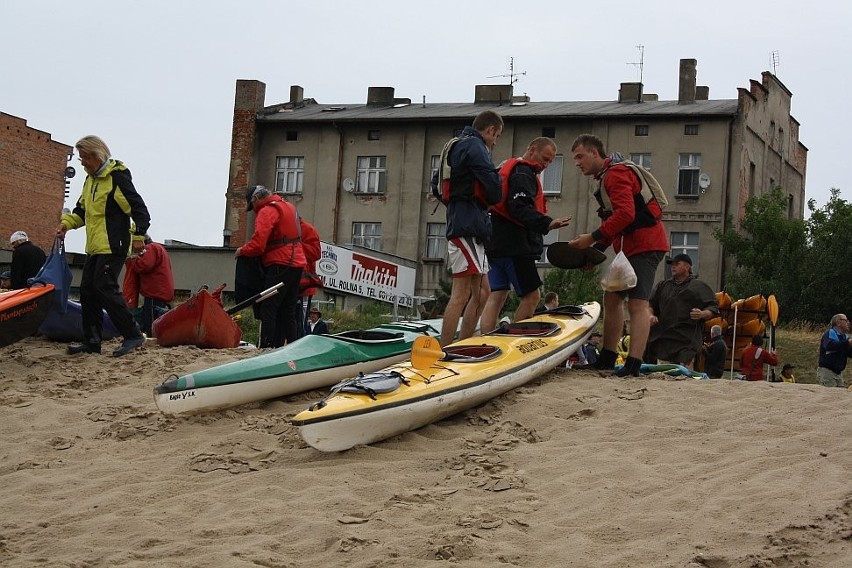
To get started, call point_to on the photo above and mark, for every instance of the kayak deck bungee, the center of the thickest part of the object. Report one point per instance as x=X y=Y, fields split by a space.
x=372 y=407
x=314 y=361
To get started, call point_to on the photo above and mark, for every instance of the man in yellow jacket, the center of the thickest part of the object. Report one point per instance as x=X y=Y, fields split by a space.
x=106 y=206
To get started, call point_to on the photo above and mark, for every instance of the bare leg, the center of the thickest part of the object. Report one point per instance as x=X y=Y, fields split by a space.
x=459 y=295
x=495 y=303
x=526 y=308
x=640 y=326
x=614 y=321
x=479 y=292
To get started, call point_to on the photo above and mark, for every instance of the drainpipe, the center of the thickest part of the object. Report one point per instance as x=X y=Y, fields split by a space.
x=339 y=181
x=727 y=196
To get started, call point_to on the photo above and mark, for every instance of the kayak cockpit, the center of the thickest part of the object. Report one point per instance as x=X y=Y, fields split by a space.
x=470 y=353
x=370 y=336
x=527 y=328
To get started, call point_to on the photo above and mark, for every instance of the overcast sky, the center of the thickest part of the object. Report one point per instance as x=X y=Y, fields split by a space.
x=155 y=79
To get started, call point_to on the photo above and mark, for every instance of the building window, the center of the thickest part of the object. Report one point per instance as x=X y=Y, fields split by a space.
x=374 y=134
x=686 y=243
x=372 y=174
x=641 y=130
x=690 y=130
x=434 y=164
x=436 y=240
x=292 y=135
x=551 y=177
x=688 y=172
x=290 y=174
x=643 y=160
x=367 y=235
x=549 y=131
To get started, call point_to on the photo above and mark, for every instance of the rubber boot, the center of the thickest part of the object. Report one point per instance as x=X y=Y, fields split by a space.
x=92 y=344
x=606 y=360
x=631 y=368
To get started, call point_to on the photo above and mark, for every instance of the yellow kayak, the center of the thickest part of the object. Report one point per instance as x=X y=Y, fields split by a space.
x=437 y=383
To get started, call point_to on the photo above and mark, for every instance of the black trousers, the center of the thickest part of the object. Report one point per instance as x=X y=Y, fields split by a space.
x=278 y=319
x=99 y=291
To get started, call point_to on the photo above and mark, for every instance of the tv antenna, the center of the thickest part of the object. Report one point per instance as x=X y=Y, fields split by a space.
x=641 y=63
x=774 y=60
x=513 y=77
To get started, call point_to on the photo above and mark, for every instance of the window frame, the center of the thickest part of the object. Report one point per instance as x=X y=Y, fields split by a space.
x=686 y=247
x=436 y=241
x=691 y=170
x=284 y=173
x=642 y=159
x=641 y=130
x=551 y=177
x=371 y=175
x=367 y=234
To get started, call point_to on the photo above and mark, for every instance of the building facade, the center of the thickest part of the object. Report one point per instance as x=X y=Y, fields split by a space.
x=32 y=181
x=360 y=172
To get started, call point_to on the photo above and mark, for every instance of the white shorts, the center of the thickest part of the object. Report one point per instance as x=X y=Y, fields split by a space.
x=467 y=257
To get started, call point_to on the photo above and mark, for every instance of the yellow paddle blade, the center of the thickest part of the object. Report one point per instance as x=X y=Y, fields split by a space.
x=425 y=352
x=772 y=306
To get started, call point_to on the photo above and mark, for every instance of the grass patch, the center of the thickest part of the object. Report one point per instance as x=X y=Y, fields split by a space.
x=798 y=344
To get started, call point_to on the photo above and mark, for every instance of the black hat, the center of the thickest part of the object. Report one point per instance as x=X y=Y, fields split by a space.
x=249 y=193
x=788 y=366
x=680 y=257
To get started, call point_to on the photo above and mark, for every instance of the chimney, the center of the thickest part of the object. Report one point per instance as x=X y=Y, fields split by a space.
x=500 y=94
x=686 y=86
x=380 y=96
x=650 y=97
x=702 y=93
x=297 y=95
x=630 y=93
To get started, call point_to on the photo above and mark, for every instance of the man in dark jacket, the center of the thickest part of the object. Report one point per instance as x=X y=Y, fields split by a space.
x=472 y=185
x=715 y=353
x=27 y=259
x=835 y=347
x=519 y=222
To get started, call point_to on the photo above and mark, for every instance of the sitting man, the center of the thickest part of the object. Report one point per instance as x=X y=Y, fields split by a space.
x=715 y=352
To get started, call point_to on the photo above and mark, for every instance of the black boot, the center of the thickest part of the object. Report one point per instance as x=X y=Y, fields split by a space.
x=631 y=368
x=606 y=360
x=84 y=347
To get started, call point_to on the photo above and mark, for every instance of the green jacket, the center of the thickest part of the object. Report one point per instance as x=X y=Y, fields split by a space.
x=105 y=207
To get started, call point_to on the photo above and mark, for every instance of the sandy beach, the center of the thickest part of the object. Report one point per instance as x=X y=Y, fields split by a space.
x=570 y=470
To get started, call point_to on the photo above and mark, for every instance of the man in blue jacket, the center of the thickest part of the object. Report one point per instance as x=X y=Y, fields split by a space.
x=468 y=184
x=835 y=348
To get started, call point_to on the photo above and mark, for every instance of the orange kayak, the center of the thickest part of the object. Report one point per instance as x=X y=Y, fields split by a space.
x=200 y=321
x=724 y=300
x=22 y=311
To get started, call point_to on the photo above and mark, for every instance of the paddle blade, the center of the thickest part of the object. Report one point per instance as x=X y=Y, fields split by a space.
x=772 y=306
x=425 y=352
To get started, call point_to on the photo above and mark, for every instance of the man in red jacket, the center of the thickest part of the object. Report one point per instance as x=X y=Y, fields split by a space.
x=149 y=273
x=631 y=225
x=754 y=357
x=277 y=240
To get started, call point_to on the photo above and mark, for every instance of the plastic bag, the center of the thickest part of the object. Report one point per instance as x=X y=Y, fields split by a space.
x=619 y=276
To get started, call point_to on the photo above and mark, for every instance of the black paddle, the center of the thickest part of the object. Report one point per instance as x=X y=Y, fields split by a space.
x=563 y=255
x=259 y=297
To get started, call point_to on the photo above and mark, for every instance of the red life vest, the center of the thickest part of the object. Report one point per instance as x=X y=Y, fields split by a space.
x=502 y=208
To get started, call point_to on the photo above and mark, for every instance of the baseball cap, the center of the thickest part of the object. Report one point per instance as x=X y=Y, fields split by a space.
x=249 y=193
x=7 y=274
x=680 y=257
x=18 y=236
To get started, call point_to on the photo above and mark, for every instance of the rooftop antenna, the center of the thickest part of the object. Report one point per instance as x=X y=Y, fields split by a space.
x=513 y=77
x=774 y=60
x=641 y=63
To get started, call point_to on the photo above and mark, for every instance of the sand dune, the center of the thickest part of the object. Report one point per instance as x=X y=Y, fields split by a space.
x=570 y=470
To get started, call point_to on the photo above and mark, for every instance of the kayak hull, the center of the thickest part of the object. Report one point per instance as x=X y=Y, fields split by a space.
x=347 y=419
x=312 y=362
x=200 y=321
x=22 y=312
x=69 y=326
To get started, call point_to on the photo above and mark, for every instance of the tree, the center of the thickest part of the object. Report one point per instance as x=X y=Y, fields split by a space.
x=804 y=263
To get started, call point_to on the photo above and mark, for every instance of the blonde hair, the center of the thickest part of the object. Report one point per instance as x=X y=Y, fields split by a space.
x=94 y=146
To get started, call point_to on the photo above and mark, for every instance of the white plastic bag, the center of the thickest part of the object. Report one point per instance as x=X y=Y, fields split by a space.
x=619 y=276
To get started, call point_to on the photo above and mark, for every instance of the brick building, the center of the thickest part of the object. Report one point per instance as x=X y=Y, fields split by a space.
x=32 y=181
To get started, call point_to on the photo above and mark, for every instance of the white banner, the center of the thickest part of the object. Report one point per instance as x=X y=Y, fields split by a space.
x=352 y=272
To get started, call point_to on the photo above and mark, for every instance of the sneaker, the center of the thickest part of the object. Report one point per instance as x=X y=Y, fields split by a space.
x=129 y=345
x=84 y=347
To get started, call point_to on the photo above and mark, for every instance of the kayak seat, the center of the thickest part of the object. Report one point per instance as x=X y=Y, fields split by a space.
x=528 y=328
x=370 y=336
x=470 y=353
